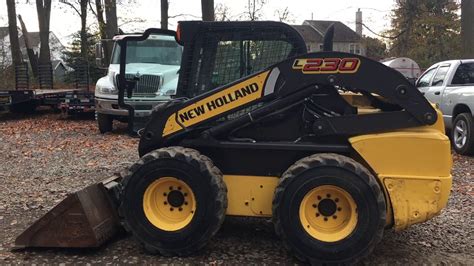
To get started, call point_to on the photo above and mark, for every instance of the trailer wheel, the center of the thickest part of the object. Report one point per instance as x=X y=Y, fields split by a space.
x=462 y=134
x=328 y=208
x=173 y=201
x=105 y=123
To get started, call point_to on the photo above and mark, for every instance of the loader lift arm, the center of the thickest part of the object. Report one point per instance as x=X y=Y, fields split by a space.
x=313 y=80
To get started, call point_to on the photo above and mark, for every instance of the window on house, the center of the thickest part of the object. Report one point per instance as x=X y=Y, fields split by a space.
x=354 y=48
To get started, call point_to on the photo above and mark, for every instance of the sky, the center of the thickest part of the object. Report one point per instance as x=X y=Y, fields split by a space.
x=143 y=14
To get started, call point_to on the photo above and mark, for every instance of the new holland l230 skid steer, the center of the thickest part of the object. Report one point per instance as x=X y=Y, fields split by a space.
x=333 y=146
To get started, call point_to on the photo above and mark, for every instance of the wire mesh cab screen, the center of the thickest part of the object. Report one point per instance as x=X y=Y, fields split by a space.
x=222 y=52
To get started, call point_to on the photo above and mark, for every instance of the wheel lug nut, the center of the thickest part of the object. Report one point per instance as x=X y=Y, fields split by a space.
x=185 y=203
x=339 y=209
x=335 y=217
x=171 y=209
x=328 y=195
x=336 y=200
x=314 y=205
x=179 y=188
x=180 y=209
x=165 y=203
x=319 y=197
x=325 y=219
x=185 y=194
x=171 y=188
x=317 y=214
x=164 y=194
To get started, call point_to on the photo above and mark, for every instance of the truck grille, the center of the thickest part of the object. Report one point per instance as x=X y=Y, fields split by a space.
x=147 y=85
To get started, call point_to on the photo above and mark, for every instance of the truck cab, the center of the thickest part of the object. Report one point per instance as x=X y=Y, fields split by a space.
x=154 y=63
x=450 y=85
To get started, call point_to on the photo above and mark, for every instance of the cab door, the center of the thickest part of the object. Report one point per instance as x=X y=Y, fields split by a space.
x=435 y=91
x=423 y=83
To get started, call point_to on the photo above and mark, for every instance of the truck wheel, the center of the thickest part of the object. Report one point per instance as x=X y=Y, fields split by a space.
x=462 y=134
x=105 y=123
x=328 y=208
x=173 y=201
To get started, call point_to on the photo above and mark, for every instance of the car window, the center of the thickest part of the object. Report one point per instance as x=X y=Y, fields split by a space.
x=424 y=80
x=440 y=75
x=464 y=74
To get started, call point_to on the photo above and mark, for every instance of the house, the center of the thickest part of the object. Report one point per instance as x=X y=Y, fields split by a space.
x=345 y=39
x=56 y=48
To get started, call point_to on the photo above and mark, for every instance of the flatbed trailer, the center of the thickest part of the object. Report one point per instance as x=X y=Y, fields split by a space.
x=28 y=100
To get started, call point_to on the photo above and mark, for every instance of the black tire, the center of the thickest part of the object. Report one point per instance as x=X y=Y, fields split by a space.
x=200 y=175
x=342 y=172
x=105 y=123
x=463 y=147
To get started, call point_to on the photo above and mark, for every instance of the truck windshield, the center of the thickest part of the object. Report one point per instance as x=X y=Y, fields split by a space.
x=151 y=51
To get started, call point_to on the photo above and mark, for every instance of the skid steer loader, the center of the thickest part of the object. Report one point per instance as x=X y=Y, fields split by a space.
x=333 y=146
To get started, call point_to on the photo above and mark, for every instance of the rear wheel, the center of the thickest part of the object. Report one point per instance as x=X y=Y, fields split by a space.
x=462 y=134
x=328 y=208
x=173 y=201
x=105 y=123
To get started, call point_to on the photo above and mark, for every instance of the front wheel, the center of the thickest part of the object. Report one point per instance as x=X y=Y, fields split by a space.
x=173 y=201
x=105 y=123
x=328 y=208
x=462 y=134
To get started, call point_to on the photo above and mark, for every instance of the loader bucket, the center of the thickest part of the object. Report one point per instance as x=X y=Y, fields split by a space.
x=86 y=218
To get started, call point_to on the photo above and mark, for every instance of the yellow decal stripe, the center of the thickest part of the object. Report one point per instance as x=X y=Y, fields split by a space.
x=216 y=104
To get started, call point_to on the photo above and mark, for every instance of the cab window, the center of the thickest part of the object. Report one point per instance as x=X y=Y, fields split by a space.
x=464 y=74
x=424 y=80
x=440 y=75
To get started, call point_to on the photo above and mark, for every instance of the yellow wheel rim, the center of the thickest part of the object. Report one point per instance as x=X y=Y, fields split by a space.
x=328 y=213
x=169 y=204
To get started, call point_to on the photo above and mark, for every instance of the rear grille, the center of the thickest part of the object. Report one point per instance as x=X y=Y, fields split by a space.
x=147 y=85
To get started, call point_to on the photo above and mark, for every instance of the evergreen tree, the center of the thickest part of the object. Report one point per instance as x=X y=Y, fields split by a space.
x=74 y=59
x=426 y=30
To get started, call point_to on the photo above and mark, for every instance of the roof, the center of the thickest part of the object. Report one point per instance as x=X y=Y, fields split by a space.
x=308 y=33
x=3 y=32
x=34 y=38
x=342 y=33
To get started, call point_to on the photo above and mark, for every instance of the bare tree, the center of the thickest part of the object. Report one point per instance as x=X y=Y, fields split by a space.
x=13 y=32
x=111 y=27
x=254 y=9
x=467 y=28
x=32 y=57
x=207 y=7
x=43 y=8
x=81 y=11
x=164 y=14
x=222 y=12
x=284 y=15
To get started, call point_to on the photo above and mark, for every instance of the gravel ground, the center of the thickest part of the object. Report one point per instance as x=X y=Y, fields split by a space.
x=44 y=157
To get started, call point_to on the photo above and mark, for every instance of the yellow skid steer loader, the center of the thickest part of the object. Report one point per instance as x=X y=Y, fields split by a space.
x=333 y=146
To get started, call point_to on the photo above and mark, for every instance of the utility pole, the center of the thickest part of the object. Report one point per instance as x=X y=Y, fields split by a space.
x=467 y=28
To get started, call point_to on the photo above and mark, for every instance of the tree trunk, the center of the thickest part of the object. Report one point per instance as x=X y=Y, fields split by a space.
x=467 y=28
x=43 y=8
x=111 y=27
x=103 y=34
x=164 y=14
x=207 y=7
x=84 y=47
x=29 y=49
x=13 y=33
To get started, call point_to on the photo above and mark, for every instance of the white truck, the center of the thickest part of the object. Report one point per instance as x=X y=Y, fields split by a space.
x=450 y=84
x=155 y=62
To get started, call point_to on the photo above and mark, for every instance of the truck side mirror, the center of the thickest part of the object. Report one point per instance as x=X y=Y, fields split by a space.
x=99 y=55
